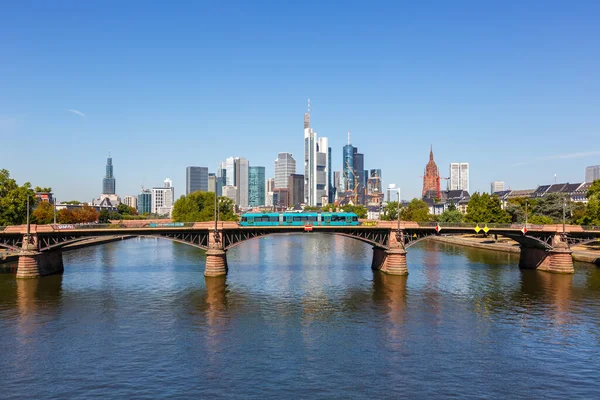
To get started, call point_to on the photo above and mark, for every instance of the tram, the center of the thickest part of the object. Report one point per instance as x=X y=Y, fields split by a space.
x=300 y=219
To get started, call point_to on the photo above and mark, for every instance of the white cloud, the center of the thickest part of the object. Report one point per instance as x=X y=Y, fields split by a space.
x=77 y=112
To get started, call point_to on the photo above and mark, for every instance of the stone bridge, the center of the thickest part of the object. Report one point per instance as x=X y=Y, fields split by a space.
x=544 y=247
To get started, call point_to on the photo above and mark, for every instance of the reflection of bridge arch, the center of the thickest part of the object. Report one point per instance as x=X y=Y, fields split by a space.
x=230 y=241
x=59 y=242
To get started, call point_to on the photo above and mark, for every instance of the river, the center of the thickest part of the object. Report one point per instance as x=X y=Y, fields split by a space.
x=298 y=316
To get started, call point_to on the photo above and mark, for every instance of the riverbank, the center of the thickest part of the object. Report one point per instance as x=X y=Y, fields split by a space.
x=580 y=253
x=8 y=261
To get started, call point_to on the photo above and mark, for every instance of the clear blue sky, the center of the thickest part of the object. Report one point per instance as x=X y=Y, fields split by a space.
x=512 y=87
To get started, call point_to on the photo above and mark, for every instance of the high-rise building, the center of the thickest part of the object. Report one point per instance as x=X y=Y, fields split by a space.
x=280 y=198
x=392 y=192
x=109 y=185
x=431 y=178
x=130 y=201
x=295 y=189
x=285 y=165
x=163 y=198
x=496 y=186
x=256 y=186
x=269 y=192
x=359 y=170
x=144 y=202
x=316 y=167
x=348 y=165
x=212 y=183
x=337 y=182
x=230 y=192
x=331 y=186
x=196 y=178
x=459 y=176
x=234 y=172
x=592 y=173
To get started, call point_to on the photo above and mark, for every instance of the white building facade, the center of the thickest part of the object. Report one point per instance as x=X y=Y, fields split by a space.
x=285 y=165
x=130 y=201
x=496 y=186
x=163 y=198
x=316 y=166
x=459 y=176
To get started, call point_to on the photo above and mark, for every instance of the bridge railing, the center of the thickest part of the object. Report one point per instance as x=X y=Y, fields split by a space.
x=590 y=228
x=480 y=224
x=61 y=227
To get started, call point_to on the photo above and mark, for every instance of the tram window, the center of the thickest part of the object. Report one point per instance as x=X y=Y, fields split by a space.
x=354 y=218
x=312 y=218
x=297 y=219
x=273 y=219
x=337 y=218
x=244 y=219
x=284 y=218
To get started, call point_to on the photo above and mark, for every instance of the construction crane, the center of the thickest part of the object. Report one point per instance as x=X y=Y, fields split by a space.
x=355 y=189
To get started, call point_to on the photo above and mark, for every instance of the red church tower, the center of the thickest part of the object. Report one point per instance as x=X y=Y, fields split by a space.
x=431 y=178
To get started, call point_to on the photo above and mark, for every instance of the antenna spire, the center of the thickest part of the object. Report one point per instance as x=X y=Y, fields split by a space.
x=348 y=137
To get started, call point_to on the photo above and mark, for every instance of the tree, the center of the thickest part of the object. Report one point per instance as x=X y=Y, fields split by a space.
x=451 y=216
x=72 y=202
x=486 y=208
x=43 y=190
x=43 y=213
x=417 y=210
x=594 y=189
x=13 y=200
x=551 y=205
x=540 y=220
x=360 y=210
x=103 y=218
x=86 y=214
x=65 y=216
x=124 y=209
x=200 y=206
x=390 y=211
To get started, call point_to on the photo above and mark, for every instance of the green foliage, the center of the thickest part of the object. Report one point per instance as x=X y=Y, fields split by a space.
x=540 y=220
x=359 y=210
x=43 y=213
x=114 y=216
x=551 y=206
x=390 y=211
x=72 y=202
x=103 y=218
x=13 y=200
x=43 y=190
x=594 y=189
x=450 y=216
x=592 y=211
x=200 y=206
x=417 y=210
x=312 y=208
x=124 y=209
x=78 y=215
x=486 y=208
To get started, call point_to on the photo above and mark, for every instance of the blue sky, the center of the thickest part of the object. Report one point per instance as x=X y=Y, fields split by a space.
x=511 y=87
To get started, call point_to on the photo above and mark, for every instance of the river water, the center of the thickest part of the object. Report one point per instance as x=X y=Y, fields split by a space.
x=299 y=316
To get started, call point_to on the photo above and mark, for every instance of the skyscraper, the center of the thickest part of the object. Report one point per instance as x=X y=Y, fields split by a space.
x=163 y=198
x=196 y=178
x=256 y=186
x=496 y=186
x=285 y=165
x=459 y=176
x=130 y=201
x=295 y=189
x=316 y=185
x=331 y=186
x=431 y=178
x=348 y=165
x=109 y=183
x=359 y=171
x=234 y=172
x=592 y=173
x=269 y=192
x=212 y=183
x=144 y=202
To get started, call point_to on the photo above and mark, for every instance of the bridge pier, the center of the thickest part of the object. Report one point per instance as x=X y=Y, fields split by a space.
x=558 y=260
x=33 y=264
x=216 y=262
x=390 y=261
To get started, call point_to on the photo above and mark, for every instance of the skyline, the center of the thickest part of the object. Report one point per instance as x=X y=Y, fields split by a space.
x=510 y=89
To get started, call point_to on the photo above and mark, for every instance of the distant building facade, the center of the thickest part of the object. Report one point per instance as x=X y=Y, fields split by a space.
x=256 y=186
x=163 y=198
x=316 y=165
x=285 y=165
x=295 y=189
x=231 y=192
x=144 y=202
x=496 y=186
x=270 y=186
x=212 y=183
x=130 y=201
x=592 y=173
x=196 y=179
x=459 y=176
x=109 y=183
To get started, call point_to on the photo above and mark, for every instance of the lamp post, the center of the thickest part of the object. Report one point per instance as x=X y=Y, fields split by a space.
x=398 y=209
x=54 y=211
x=28 y=221
x=564 y=213
x=526 y=204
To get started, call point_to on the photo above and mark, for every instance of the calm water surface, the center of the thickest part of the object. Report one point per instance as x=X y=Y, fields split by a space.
x=299 y=316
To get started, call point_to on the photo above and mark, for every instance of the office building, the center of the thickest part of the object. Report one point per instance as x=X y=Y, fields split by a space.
x=295 y=190
x=496 y=186
x=230 y=192
x=269 y=192
x=459 y=176
x=316 y=166
x=109 y=184
x=144 y=202
x=234 y=172
x=256 y=186
x=163 y=198
x=392 y=192
x=130 y=201
x=285 y=165
x=212 y=183
x=592 y=173
x=280 y=199
x=196 y=179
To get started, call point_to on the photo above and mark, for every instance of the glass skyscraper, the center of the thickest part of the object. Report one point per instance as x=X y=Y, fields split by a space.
x=256 y=186
x=109 y=183
x=196 y=179
x=144 y=202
